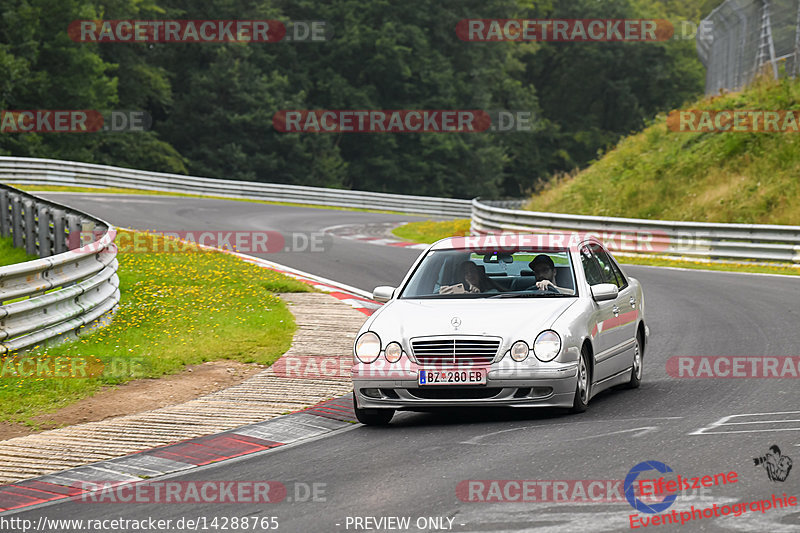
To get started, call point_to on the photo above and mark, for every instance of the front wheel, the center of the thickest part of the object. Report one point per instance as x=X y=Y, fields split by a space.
x=372 y=417
x=583 y=386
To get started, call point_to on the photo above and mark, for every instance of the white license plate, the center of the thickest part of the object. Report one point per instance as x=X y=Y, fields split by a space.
x=452 y=377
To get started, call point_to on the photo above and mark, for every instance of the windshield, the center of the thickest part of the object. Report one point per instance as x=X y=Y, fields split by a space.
x=463 y=273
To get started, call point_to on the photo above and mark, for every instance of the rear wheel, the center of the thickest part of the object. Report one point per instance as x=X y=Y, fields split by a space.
x=636 y=370
x=583 y=386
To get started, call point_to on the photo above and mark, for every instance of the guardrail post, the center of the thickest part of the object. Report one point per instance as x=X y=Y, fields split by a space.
x=44 y=218
x=29 y=220
x=73 y=231
x=16 y=222
x=5 y=215
x=59 y=231
x=87 y=232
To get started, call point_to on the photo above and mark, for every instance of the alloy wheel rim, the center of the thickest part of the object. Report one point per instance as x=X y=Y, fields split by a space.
x=637 y=361
x=582 y=380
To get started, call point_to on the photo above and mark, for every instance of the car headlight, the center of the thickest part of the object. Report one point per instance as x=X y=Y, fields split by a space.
x=547 y=346
x=519 y=351
x=393 y=352
x=368 y=347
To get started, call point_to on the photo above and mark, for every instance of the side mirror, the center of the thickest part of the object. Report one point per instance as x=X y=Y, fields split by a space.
x=604 y=291
x=383 y=294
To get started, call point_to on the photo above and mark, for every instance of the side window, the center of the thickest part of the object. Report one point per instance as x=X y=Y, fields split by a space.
x=622 y=281
x=590 y=268
x=607 y=267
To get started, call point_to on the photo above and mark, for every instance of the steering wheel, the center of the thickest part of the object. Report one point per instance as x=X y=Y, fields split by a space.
x=550 y=288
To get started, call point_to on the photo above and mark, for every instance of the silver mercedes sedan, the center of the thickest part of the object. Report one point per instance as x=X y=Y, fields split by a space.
x=542 y=320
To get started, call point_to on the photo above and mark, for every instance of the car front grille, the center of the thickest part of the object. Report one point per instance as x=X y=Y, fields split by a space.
x=457 y=351
x=455 y=393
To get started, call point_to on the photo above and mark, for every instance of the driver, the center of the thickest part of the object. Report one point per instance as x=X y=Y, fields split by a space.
x=473 y=281
x=545 y=271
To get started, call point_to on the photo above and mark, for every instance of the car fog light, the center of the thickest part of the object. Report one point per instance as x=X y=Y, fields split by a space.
x=519 y=351
x=393 y=352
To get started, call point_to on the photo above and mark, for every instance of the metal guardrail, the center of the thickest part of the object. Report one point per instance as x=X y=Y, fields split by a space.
x=660 y=237
x=69 y=287
x=506 y=204
x=55 y=172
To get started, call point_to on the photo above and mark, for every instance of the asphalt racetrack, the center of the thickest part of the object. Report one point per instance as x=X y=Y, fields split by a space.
x=419 y=466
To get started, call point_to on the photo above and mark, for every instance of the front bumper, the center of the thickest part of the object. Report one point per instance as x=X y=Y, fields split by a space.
x=540 y=387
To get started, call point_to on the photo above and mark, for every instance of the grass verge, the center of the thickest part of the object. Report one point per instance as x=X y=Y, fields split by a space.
x=177 y=309
x=10 y=255
x=430 y=231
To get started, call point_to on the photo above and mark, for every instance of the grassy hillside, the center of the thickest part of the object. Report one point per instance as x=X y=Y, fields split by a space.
x=714 y=177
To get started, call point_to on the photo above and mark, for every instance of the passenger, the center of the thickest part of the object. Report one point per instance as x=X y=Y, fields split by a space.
x=545 y=271
x=474 y=281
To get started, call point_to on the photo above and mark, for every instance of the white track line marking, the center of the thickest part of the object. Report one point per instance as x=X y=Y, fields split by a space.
x=709 y=430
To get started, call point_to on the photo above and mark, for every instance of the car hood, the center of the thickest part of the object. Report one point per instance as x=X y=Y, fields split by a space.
x=519 y=318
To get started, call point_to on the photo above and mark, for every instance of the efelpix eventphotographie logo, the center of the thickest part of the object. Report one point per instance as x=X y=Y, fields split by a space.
x=775 y=463
x=663 y=482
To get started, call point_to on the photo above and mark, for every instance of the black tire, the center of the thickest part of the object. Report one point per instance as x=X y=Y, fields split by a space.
x=374 y=417
x=583 y=385
x=637 y=366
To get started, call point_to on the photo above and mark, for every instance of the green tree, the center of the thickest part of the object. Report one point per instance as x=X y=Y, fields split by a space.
x=46 y=70
x=212 y=104
x=594 y=93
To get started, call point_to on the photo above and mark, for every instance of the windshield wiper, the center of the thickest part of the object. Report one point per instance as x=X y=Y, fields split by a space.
x=528 y=295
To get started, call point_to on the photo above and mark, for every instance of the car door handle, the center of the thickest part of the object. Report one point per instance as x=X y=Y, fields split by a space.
x=633 y=302
x=616 y=310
